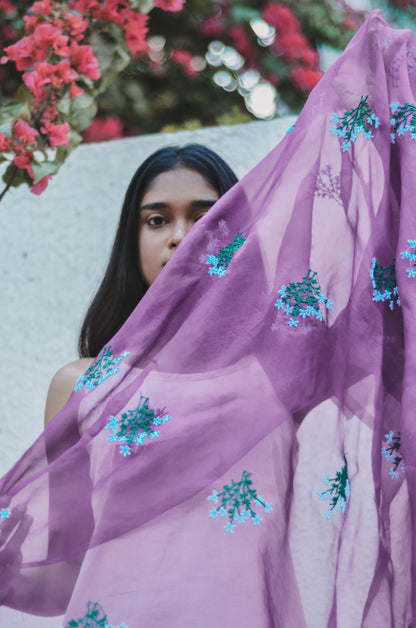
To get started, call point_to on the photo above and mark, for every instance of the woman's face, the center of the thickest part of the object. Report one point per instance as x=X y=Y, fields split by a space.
x=172 y=204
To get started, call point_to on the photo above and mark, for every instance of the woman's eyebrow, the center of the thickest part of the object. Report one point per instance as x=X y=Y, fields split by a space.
x=198 y=204
x=202 y=203
x=156 y=205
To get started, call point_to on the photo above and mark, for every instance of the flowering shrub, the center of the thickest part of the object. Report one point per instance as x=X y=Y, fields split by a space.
x=58 y=56
x=102 y=129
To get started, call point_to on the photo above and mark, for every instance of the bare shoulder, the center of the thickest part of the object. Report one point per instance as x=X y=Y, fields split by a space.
x=62 y=385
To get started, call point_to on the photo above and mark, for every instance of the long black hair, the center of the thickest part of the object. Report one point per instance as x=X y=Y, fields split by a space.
x=123 y=285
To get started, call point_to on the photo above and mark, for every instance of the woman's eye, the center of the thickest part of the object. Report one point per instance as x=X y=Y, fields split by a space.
x=199 y=217
x=156 y=221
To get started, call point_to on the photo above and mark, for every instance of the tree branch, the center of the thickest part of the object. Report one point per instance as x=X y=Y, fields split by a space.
x=9 y=183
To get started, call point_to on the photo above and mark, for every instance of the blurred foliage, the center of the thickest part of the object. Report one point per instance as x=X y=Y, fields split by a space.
x=173 y=86
x=168 y=91
x=399 y=13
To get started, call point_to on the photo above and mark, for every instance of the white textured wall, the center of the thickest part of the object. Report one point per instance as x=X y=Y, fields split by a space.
x=52 y=254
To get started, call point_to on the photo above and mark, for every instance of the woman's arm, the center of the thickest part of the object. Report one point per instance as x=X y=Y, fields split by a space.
x=62 y=385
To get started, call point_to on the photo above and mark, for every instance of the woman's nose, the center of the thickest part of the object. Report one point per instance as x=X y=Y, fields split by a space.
x=179 y=230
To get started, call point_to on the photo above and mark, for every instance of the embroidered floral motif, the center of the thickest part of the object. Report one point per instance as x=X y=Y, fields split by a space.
x=220 y=262
x=328 y=186
x=215 y=238
x=384 y=283
x=135 y=425
x=411 y=60
x=391 y=452
x=386 y=43
x=302 y=299
x=338 y=491
x=5 y=513
x=95 y=618
x=403 y=119
x=104 y=366
x=358 y=120
x=411 y=256
x=237 y=501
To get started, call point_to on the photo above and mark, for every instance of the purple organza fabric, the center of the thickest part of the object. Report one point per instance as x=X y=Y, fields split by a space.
x=251 y=461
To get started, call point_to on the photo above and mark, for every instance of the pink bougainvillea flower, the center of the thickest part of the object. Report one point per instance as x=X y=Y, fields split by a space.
x=135 y=30
x=36 y=83
x=282 y=18
x=185 y=59
x=41 y=8
x=24 y=161
x=211 y=27
x=351 y=24
x=49 y=114
x=40 y=186
x=243 y=45
x=31 y=21
x=84 y=60
x=58 y=133
x=84 y=6
x=7 y=7
x=5 y=144
x=23 y=132
x=9 y=33
x=310 y=57
x=110 y=11
x=64 y=72
x=294 y=45
x=75 y=91
x=23 y=53
x=170 y=5
x=75 y=25
x=305 y=78
x=45 y=35
x=102 y=129
x=60 y=46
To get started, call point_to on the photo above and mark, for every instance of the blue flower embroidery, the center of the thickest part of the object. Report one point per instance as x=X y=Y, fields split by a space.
x=94 y=618
x=338 y=492
x=104 y=366
x=403 y=120
x=302 y=300
x=5 y=513
x=237 y=501
x=220 y=262
x=358 y=120
x=392 y=454
x=134 y=426
x=411 y=256
x=384 y=283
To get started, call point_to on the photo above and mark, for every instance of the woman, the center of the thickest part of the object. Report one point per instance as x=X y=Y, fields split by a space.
x=168 y=194
x=241 y=452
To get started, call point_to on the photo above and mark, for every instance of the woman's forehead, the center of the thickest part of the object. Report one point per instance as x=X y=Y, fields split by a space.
x=180 y=183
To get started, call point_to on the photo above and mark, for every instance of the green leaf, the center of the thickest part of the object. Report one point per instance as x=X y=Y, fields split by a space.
x=275 y=64
x=144 y=6
x=64 y=105
x=40 y=170
x=9 y=113
x=62 y=152
x=83 y=110
x=241 y=14
x=85 y=81
x=20 y=177
x=112 y=57
x=75 y=140
x=24 y=93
